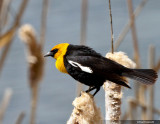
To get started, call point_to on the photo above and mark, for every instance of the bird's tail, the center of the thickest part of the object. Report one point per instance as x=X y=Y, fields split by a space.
x=145 y=76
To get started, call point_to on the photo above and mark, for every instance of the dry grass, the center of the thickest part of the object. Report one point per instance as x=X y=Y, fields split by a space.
x=7 y=37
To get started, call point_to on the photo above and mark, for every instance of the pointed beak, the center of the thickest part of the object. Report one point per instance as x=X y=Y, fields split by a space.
x=48 y=54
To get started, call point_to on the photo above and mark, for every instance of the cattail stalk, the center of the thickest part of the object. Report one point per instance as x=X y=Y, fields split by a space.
x=20 y=118
x=138 y=88
x=36 y=64
x=113 y=93
x=84 y=14
x=151 y=89
x=157 y=67
x=133 y=31
x=43 y=22
x=132 y=109
x=85 y=111
x=4 y=10
x=34 y=101
x=110 y=14
x=5 y=103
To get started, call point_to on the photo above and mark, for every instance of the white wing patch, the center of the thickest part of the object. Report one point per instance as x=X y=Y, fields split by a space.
x=83 y=68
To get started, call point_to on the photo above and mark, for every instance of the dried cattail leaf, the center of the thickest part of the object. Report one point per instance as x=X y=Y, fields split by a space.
x=7 y=37
x=4 y=12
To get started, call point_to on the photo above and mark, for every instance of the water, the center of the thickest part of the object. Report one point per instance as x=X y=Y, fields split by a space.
x=57 y=90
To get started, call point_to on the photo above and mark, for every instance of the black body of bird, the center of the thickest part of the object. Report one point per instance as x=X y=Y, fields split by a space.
x=92 y=69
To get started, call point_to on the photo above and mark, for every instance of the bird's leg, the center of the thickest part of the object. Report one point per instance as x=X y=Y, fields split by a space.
x=97 y=89
x=90 y=89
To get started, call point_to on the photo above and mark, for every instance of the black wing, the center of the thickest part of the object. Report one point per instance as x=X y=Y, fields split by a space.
x=96 y=64
x=99 y=66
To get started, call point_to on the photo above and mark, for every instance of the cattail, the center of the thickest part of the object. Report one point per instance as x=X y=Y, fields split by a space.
x=34 y=56
x=85 y=111
x=113 y=93
x=35 y=62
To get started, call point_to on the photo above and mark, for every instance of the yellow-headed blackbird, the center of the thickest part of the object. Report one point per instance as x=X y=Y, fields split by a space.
x=91 y=68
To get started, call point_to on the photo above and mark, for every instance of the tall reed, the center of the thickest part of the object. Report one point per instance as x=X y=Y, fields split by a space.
x=35 y=63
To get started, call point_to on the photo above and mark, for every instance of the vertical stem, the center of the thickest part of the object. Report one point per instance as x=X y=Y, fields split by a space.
x=112 y=101
x=110 y=12
x=157 y=67
x=43 y=22
x=131 y=116
x=4 y=55
x=84 y=13
x=34 y=103
x=1 y=2
x=79 y=88
x=83 y=21
x=20 y=118
x=4 y=8
x=113 y=93
x=4 y=104
x=142 y=99
x=135 y=43
x=113 y=96
x=151 y=88
x=134 y=35
x=132 y=110
x=133 y=30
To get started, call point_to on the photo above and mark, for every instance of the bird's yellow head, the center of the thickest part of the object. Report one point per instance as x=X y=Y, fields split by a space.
x=58 y=50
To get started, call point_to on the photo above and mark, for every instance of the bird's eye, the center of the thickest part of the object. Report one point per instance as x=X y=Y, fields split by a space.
x=54 y=51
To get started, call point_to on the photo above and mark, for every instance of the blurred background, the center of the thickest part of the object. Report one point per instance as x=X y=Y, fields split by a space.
x=66 y=22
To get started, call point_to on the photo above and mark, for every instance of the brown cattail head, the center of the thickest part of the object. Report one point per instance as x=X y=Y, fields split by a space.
x=34 y=56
